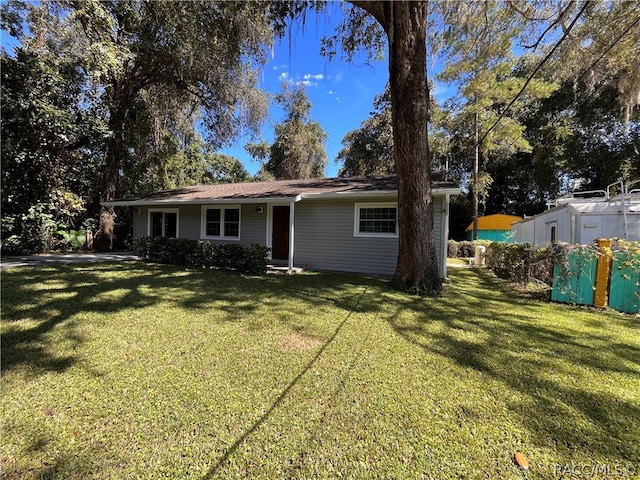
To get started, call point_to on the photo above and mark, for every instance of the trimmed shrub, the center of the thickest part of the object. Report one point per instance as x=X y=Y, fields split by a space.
x=521 y=262
x=224 y=256
x=541 y=264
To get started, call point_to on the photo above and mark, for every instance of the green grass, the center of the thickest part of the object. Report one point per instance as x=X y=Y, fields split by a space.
x=457 y=261
x=145 y=371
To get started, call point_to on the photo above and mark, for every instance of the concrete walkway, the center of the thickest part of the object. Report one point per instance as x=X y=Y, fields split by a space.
x=66 y=258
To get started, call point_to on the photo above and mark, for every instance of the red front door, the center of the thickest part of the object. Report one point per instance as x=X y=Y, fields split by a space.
x=280 y=235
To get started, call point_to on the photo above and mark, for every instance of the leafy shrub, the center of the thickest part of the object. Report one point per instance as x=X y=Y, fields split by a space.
x=541 y=264
x=255 y=261
x=464 y=249
x=521 y=262
x=12 y=245
x=76 y=238
x=38 y=229
x=11 y=241
x=225 y=256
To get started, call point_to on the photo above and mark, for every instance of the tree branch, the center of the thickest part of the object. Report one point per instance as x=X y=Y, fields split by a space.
x=379 y=10
x=551 y=25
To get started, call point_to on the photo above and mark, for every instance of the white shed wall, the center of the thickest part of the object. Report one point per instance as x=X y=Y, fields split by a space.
x=579 y=228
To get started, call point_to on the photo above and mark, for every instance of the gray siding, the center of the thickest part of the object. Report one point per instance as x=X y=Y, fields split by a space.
x=189 y=221
x=324 y=238
x=252 y=224
x=140 y=222
x=324 y=234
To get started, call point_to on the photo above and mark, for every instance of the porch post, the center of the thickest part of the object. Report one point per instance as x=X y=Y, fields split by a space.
x=291 y=231
x=444 y=249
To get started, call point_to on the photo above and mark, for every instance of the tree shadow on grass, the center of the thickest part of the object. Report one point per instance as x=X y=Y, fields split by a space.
x=35 y=301
x=74 y=290
x=559 y=370
x=39 y=301
x=213 y=471
x=476 y=324
x=43 y=467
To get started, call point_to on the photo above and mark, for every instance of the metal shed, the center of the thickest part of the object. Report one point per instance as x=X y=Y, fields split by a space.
x=582 y=218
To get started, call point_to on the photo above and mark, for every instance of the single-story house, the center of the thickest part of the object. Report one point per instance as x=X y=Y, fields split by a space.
x=495 y=227
x=581 y=220
x=340 y=224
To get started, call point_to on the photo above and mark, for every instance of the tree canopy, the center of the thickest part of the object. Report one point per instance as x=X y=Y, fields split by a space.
x=148 y=72
x=533 y=142
x=298 y=149
x=368 y=150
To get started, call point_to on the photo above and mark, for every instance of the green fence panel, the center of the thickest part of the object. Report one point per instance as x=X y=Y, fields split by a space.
x=575 y=281
x=624 y=288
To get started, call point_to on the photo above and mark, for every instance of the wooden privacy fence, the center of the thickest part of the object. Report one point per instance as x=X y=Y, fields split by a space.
x=599 y=277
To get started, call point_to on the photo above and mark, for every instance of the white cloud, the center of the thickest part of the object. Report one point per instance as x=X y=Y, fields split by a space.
x=336 y=78
x=307 y=80
x=279 y=67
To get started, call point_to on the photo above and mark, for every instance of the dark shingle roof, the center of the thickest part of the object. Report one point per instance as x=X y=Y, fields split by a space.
x=277 y=189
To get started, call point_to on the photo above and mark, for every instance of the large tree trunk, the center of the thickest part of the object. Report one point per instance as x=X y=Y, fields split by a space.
x=104 y=237
x=406 y=26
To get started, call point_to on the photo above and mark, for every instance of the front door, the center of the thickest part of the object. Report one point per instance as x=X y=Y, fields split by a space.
x=280 y=235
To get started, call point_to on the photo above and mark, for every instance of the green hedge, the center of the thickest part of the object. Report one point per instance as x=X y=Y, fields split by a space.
x=521 y=262
x=182 y=251
x=464 y=249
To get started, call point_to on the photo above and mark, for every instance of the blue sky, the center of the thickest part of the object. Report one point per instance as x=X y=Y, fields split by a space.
x=341 y=93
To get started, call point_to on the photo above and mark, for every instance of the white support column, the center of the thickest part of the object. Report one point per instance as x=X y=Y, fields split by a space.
x=445 y=236
x=269 y=229
x=291 y=232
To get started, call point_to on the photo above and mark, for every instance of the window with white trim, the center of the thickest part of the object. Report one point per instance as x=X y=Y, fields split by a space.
x=163 y=222
x=220 y=222
x=376 y=220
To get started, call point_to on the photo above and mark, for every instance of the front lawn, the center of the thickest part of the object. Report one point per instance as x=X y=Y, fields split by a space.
x=146 y=371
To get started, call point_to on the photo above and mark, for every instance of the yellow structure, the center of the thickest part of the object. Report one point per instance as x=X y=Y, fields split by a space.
x=494 y=227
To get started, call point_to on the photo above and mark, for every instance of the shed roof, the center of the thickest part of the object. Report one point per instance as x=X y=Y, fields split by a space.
x=603 y=208
x=290 y=190
x=498 y=221
x=594 y=208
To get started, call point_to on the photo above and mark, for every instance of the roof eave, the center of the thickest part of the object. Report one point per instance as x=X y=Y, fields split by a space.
x=329 y=195
x=436 y=191
x=198 y=201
